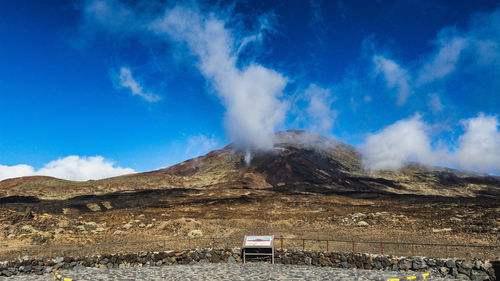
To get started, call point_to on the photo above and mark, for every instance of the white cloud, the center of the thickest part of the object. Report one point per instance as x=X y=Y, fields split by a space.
x=479 y=146
x=321 y=117
x=127 y=81
x=16 y=171
x=251 y=95
x=475 y=49
x=444 y=60
x=398 y=144
x=408 y=140
x=70 y=168
x=395 y=76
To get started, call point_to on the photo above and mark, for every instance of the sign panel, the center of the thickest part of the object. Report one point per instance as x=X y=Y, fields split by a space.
x=255 y=245
x=258 y=241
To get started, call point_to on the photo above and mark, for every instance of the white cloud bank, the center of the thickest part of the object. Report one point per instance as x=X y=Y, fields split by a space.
x=127 y=81
x=398 y=144
x=70 y=168
x=409 y=141
x=479 y=146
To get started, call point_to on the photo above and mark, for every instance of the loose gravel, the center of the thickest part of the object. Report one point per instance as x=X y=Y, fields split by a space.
x=222 y=272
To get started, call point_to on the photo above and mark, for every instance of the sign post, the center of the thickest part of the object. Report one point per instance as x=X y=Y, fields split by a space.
x=258 y=246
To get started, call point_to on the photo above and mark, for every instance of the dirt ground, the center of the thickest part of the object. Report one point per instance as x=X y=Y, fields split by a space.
x=233 y=213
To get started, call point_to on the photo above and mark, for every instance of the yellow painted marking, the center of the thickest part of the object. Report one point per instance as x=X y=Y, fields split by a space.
x=392 y=279
x=425 y=274
x=411 y=277
x=67 y=279
x=58 y=276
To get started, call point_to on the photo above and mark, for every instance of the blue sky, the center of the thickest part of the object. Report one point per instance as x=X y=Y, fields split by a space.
x=90 y=89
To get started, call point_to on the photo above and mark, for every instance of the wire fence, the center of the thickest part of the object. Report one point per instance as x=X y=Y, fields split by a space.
x=433 y=250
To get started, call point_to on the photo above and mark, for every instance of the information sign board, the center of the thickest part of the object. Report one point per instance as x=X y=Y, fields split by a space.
x=255 y=245
x=258 y=241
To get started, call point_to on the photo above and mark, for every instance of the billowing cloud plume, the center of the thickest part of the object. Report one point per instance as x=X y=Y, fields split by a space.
x=251 y=93
x=127 y=81
x=398 y=144
x=409 y=141
x=70 y=168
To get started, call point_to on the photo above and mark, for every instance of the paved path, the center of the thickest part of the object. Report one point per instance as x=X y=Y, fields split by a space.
x=221 y=272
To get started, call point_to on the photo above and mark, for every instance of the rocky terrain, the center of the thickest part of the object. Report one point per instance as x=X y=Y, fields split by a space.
x=308 y=186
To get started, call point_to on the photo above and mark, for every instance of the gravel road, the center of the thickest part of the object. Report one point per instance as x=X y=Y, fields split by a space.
x=221 y=272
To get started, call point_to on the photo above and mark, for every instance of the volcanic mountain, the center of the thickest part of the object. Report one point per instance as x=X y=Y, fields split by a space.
x=305 y=186
x=300 y=161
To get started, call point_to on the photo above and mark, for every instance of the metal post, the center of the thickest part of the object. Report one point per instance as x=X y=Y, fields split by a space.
x=382 y=248
x=353 y=246
x=272 y=249
x=189 y=243
x=303 y=244
x=412 y=250
x=281 y=243
x=327 y=245
x=164 y=247
x=446 y=247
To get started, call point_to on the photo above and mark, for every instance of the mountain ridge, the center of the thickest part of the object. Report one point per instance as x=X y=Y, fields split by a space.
x=299 y=159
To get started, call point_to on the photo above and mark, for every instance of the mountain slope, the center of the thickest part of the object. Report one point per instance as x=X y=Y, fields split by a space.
x=299 y=161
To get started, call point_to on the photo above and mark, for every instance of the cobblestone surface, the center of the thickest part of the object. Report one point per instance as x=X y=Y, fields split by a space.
x=255 y=271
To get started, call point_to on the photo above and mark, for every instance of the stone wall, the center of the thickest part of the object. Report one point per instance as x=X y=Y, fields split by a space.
x=466 y=269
